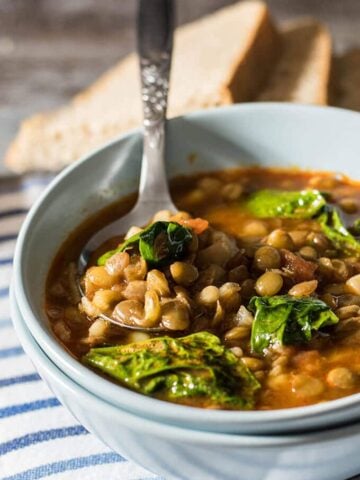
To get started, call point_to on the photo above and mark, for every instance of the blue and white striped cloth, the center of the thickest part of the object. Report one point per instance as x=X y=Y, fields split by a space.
x=38 y=437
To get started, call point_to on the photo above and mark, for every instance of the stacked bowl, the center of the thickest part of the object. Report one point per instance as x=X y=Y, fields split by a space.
x=178 y=442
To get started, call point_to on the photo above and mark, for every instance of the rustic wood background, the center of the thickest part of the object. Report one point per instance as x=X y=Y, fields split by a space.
x=51 y=49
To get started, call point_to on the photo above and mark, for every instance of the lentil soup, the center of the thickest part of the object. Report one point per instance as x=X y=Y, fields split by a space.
x=255 y=283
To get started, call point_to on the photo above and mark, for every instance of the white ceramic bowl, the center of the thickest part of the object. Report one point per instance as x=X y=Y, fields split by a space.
x=261 y=134
x=182 y=454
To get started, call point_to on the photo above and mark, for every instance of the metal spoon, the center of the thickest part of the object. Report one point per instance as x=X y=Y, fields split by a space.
x=155 y=27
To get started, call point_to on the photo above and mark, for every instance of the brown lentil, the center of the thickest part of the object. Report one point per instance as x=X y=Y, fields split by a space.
x=184 y=273
x=280 y=239
x=304 y=289
x=353 y=284
x=208 y=295
x=237 y=333
x=270 y=283
x=340 y=377
x=349 y=205
x=267 y=257
x=309 y=253
x=175 y=316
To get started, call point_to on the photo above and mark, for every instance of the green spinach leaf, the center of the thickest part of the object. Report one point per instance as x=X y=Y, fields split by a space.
x=335 y=230
x=280 y=203
x=159 y=244
x=302 y=205
x=355 y=227
x=287 y=320
x=196 y=367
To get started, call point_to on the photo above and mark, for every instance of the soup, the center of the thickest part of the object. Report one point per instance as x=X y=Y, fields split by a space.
x=248 y=296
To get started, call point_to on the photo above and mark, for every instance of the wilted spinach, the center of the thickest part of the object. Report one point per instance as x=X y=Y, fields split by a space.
x=336 y=232
x=279 y=203
x=159 y=244
x=355 y=227
x=287 y=320
x=306 y=204
x=196 y=367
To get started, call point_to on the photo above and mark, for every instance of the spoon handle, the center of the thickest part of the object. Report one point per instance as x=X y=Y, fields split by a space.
x=155 y=25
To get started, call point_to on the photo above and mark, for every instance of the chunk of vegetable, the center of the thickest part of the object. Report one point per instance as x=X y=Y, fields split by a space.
x=195 y=367
x=287 y=320
x=159 y=244
x=279 y=203
x=198 y=225
x=335 y=230
x=297 y=268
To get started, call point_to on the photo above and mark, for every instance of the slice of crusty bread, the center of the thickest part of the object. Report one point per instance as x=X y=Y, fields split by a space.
x=345 y=91
x=302 y=73
x=223 y=58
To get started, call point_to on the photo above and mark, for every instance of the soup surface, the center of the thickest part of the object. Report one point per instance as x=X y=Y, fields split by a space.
x=254 y=285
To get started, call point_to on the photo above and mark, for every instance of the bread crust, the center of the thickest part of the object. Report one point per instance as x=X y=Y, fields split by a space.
x=250 y=75
x=302 y=73
x=345 y=80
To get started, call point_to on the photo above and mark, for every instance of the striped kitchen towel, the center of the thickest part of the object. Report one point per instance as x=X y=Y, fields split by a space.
x=38 y=437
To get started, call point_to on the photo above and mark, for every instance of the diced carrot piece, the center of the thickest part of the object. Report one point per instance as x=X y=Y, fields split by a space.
x=199 y=225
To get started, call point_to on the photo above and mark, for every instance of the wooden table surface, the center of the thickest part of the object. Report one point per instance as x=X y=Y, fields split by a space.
x=51 y=49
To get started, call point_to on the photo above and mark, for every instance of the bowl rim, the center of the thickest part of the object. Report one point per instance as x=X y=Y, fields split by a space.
x=157 y=428
x=119 y=394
